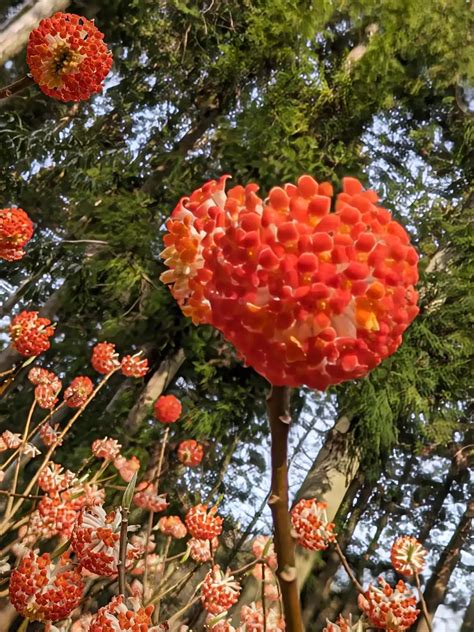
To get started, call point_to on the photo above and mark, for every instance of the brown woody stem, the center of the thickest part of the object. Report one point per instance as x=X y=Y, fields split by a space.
x=347 y=568
x=278 y=402
x=15 y=87
x=122 y=563
x=424 y=607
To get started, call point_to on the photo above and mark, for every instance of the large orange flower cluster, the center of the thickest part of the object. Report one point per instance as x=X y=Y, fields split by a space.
x=67 y=57
x=16 y=230
x=306 y=295
x=30 y=333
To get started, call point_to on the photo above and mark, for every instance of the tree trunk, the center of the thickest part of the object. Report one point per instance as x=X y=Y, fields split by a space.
x=468 y=621
x=328 y=480
x=437 y=585
x=13 y=39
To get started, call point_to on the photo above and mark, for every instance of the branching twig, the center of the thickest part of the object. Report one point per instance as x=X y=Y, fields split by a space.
x=16 y=86
x=347 y=568
x=424 y=607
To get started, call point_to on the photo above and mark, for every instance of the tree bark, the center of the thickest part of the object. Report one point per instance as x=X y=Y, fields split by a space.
x=468 y=620
x=15 y=36
x=437 y=585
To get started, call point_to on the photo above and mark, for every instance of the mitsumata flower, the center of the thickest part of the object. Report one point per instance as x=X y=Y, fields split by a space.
x=67 y=57
x=172 y=526
x=78 y=391
x=252 y=619
x=9 y=440
x=49 y=436
x=96 y=540
x=104 y=358
x=408 y=556
x=107 y=449
x=134 y=366
x=201 y=550
x=167 y=409
x=43 y=590
x=116 y=616
x=219 y=591
x=203 y=523
x=147 y=497
x=53 y=479
x=341 y=625
x=389 y=608
x=262 y=547
x=47 y=387
x=16 y=230
x=127 y=467
x=30 y=333
x=190 y=453
x=307 y=296
x=312 y=529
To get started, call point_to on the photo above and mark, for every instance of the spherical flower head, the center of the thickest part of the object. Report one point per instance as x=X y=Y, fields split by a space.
x=78 y=391
x=127 y=467
x=67 y=57
x=253 y=619
x=389 y=608
x=190 y=452
x=203 y=523
x=219 y=591
x=341 y=625
x=134 y=366
x=307 y=296
x=59 y=513
x=82 y=624
x=217 y=624
x=48 y=386
x=43 y=590
x=96 y=541
x=167 y=409
x=201 y=551
x=147 y=497
x=312 y=529
x=37 y=375
x=408 y=556
x=53 y=479
x=49 y=436
x=104 y=358
x=107 y=449
x=30 y=333
x=172 y=526
x=16 y=230
x=117 y=616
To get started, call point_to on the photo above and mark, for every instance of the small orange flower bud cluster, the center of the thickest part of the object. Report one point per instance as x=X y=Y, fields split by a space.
x=78 y=391
x=67 y=57
x=16 y=230
x=106 y=448
x=305 y=295
x=203 y=523
x=389 y=608
x=408 y=556
x=253 y=618
x=147 y=497
x=202 y=551
x=219 y=591
x=105 y=360
x=42 y=590
x=190 y=452
x=117 y=616
x=341 y=625
x=53 y=479
x=30 y=333
x=312 y=529
x=167 y=409
x=47 y=387
x=172 y=526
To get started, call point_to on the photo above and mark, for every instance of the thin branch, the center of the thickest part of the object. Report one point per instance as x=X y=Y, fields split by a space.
x=347 y=568
x=16 y=87
x=424 y=607
x=122 y=562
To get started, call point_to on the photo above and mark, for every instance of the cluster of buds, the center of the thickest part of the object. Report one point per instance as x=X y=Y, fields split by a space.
x=9 y=440
x=219 y=591
x=253 y=619
x=202 y=551
x=16 y=230
x=78 y=391
x=203 y=523
x=47 y=387
x=167 y=409
x=147 y=497
x=67 y=57
x=117 y=616
x=342 y=625
x=96 y=540
x=106 y=448
x=311 y=527
x=408 y=556
x=127 y=467
x=306 y=296
x=389 y=608
x=262 y=548
x=190 y=452
x=172 y=526
x=105 y=360
x=53 y=479
x=42 y=590
x=49 y=435
x=30 y=333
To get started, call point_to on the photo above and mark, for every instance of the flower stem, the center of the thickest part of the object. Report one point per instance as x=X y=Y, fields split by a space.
x=278 y=414
x=424 y=607
x=122 y=562
x=15 y=87
x=347 y=568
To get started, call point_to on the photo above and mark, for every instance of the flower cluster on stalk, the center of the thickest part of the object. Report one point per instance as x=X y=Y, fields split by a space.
x=16 y=230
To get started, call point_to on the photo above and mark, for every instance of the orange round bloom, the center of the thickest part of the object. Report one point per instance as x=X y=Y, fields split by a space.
x=389 y=608
x=307 y=296
x=42 y=590
x=134 y=366
x=190 y=452
x=67 y=57
x=312 y=529
x=104 y=358
x=202 y=523
x=172 y=526
x=16 y=230
x=408 y=556
x=78 y=391
x=167 y=409
x=30 y=333
x=117 y=616
x=219 y=591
